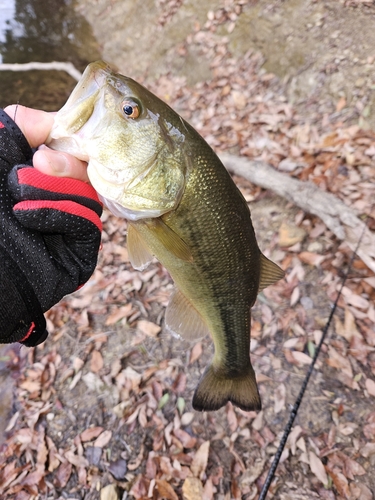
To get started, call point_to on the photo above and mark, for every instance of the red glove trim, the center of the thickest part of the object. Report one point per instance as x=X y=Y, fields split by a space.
x=65 y=206
x=30 y=331
x=66 y=185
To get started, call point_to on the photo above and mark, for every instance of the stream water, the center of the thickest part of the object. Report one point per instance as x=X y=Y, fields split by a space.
x=43 y=31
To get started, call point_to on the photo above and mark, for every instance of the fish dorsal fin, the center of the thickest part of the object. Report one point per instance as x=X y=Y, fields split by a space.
x=139 y=255
x=170 y=240
x=269 y=272
x=182 y=318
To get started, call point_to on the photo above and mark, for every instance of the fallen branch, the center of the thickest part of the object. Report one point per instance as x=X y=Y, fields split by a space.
x=337 y=216
x=54 y=65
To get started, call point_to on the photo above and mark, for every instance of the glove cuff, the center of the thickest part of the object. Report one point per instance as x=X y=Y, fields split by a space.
x=21 y=317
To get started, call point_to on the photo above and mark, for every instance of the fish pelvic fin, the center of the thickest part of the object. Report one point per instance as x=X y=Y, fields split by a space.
x=215 y=390
x=139 y=255
x=269 y=272
x=183 y=319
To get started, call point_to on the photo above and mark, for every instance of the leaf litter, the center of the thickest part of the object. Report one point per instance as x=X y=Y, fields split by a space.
x=103 y=408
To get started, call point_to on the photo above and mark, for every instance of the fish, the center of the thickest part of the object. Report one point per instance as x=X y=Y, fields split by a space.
x=152 y=167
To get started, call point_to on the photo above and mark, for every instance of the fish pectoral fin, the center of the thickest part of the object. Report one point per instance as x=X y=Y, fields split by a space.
x=182 y=318
x=170 y=240
x=139 y=255
x=269 y=272
x=215 y=390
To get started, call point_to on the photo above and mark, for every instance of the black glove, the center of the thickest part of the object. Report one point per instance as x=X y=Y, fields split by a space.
x=50 y=238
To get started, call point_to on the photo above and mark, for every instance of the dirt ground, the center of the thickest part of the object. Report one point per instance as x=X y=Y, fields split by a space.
x=103 y=408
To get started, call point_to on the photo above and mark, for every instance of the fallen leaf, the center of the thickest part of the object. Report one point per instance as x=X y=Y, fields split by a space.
x=96 y=363
x=103 y=439
x=118 y=469
x=62 y=475
x=352 y=468
x=360 y=491
x=301 y=358
x=367 y=450
x=340 y=105
x=338 y=361
x=192 y=489
x=186 y=440
x=317 y=468
x=109 y=492
x=340 y=482
x=148 y=328
x=76 y=460
x=232 y=418
x=199 y=463
x=290 y=234
x=119 y=313
x=370 y=386
x=196 y=352
x=280 y=394
x=166 y=490
x=313 y=259
x=90 y=434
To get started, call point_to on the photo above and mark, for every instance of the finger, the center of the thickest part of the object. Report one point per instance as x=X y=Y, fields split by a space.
x=59 y=164
x=34 y=123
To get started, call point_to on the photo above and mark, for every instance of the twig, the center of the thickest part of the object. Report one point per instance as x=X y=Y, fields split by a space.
x=54 y=65
x=337 y=216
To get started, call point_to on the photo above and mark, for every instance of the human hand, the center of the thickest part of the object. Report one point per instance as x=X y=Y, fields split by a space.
x=36 y=126
x=50 y=229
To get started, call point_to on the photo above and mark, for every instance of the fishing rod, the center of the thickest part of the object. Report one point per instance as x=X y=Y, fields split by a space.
x=298 y=401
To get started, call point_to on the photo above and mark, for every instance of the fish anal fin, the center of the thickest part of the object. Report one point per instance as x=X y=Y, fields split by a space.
x=215 y=390
x=269 y=272
x=182 y=318
x=170 y=239
x=139 y=255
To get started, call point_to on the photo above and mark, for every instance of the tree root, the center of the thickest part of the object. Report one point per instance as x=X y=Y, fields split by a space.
x=337 y=216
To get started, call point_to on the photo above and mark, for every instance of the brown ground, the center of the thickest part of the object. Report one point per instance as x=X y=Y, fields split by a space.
x=104 y=405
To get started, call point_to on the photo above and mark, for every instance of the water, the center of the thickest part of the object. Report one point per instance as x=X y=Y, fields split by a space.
x=43 y=31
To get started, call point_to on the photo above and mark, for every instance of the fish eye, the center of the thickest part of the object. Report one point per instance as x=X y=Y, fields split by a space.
x=131 y=109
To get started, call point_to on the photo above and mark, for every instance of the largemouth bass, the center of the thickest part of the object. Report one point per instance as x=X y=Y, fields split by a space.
x=151 y=167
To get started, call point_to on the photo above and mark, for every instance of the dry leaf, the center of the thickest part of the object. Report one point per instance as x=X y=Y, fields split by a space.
x=337 y=361
x=370 y=386
x=148 y=328
x=196 y=352
x=76 y=460
x=96 y=362
x=340 y=482
x=301 y=358
x=280 y=394
x=352 y=468
x=119 y=313
x=294 y=298
x=317 y=468
x=340 y=105
x=293 y=436
x=290 y=235
x=199 y=463
x=186 y=440
x=62 y=475
x=90 y=434
x=192 y=489
x=103 y=439
x=313 y=259
x=232 y=418
x=360 y=491
x=109 y=492
x=166 y=490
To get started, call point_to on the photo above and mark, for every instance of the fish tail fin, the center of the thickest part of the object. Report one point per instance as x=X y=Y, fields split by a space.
x=215 y=390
